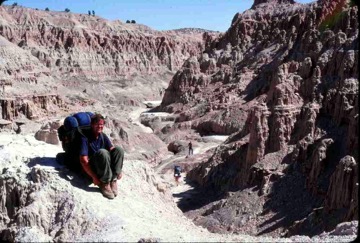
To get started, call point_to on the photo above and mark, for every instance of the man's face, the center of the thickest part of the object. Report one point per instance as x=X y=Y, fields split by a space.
x=97 y=128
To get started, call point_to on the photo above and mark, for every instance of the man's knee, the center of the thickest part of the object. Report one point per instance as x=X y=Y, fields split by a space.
x=102 y=156
x=103 y=153
x=118 y=150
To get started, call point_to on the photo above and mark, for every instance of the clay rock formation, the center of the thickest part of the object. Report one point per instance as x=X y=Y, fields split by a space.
x=30 y=203
x=343 y=188
x=177 y=147
x=31 y=106
x=292 y=69
x=77 y=45
x=48 y=133
x=136 y=143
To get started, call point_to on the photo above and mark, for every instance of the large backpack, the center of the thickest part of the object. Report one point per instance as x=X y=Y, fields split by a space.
x=70 y=133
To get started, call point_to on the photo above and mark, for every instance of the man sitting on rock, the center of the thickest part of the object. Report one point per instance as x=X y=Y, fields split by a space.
x=100 y=159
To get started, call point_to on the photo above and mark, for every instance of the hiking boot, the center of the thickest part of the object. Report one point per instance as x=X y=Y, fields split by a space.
x=106 y=191
x=114 y=187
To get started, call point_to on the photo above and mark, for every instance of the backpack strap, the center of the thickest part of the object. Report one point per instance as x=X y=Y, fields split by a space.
x=102 y=138
x=81 y=131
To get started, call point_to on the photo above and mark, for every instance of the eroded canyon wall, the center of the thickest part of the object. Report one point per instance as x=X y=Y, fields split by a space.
x=292 y=70
x=69 y=44
x=48 y=52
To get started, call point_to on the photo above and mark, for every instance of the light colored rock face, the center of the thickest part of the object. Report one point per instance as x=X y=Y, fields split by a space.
x=31 y=107
x=48 y=133
x=293 y=70
x=77 y=45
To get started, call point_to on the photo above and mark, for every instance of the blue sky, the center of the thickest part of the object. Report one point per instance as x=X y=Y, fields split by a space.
x=157 y=14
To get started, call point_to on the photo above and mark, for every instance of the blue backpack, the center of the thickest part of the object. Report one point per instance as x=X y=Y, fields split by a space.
x=70 y=133
x=177 y=170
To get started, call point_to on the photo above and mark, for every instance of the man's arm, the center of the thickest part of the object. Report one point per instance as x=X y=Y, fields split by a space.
x=84 y=160
x=107 y=142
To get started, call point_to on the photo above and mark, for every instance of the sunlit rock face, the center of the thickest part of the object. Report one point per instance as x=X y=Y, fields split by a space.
x=78 y=44
x=44 y=51
x=290 y=71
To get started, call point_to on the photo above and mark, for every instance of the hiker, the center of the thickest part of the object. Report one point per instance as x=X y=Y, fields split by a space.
x=190 y=148
x=100 y=159
x=177 y=173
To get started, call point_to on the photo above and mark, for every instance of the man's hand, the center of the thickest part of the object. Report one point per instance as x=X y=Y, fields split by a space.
x=84 y=160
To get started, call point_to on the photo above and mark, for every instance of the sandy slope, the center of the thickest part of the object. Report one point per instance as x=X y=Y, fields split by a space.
x=140 y=211
x=144 y=209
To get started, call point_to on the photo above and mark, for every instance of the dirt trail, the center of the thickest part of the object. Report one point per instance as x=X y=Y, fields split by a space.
x=134 y=117
x=170 y=160
x=182 y=187
x=199 y=149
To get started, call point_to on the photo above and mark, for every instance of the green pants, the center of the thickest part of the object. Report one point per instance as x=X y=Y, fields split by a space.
x=107 y=165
